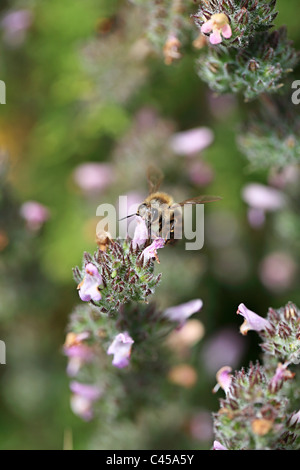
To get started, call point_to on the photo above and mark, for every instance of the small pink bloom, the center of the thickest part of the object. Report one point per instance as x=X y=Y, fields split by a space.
x=82 y=399
x=218 y=446
x=252 y=320
x=180 y=313
x=282 y=373
x=295 y=418
x=224 y=378
x=191 y=141
x=35 y=214
x=94 y=177
x=200 y=173
x=78 y=355
x=278 y=271
x=15 y=25
x=218 y=26
x=140 y=234
x=263 y=197
x=121 y=349
x=151 y=251
x=89 y=287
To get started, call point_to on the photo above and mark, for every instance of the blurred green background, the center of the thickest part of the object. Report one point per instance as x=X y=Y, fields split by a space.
x=78 y=92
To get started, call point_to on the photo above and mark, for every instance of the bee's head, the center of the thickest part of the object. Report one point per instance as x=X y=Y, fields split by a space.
x=142 y=211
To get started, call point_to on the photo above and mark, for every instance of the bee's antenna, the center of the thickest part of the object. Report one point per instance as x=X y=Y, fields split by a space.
x=127 y=216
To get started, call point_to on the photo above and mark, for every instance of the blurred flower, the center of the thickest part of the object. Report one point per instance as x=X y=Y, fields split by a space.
x=183 y=339
x=277 y=271
x=15 y=24
x=78 y=355
x=218 y=446
x=201 y=426
x=200 y=173
x=121 y=349
x=94 y=177
x=73 y=339
x=89 y=287
x=191 y=141
x=263 y=197
x=180 y=313
x=35 y=214
x=224 y=378
x=183 y=375
x=224 y=347
x=151 y=251
x=82 y=399
x=281 y=374
x=171 y=50
x=200 y=41
x=256 y=217
x=285 y=176
x=217 y=25
x=140 y=234
x=252 y=320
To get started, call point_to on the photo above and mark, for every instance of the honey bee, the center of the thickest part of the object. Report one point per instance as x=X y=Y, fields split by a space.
x=160 y=213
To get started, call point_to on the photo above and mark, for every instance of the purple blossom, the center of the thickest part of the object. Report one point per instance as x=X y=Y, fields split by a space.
x=180 y=313
x=225 y=346
x=35 y=214
x=281 y=374
x=82 y=399
x=263 y=197
x=277 y=271
x=15 y=24
x=140 y=234
x=78 y=354
x=252 y=320
x=295 y=418
x=192 y=141
x=89 y=287
x=224 y=378
x=121 y=350
x=218 y=446
x=200 y=173
x=151 y=251
x=93 y=177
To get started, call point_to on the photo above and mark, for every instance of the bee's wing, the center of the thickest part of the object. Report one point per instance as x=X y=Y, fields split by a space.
x=154 y=177
x=200 y=200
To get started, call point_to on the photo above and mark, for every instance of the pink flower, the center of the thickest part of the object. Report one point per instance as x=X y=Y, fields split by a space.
x=277 y=271
x=78 y=355
x=252 y=320
x=15 y=25
x=94 y=177
x=89 y=287
x=263 y=197
x=151 y=251
x=218 y=26
x=200 y=173
x=140 y=234
x=281 y=374
x=35 y=214
x=218 y=446
x=82 y=399
x=224 y=378
x=180 y=313
x=191 y=141
x=121 y=349
x=225 y=346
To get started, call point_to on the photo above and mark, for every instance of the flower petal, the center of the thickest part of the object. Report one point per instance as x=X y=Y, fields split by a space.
x=207 y=27
x=252 y=320
x=180 y=313
x=121 y=349
x=226 y=31
x=215 y=37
